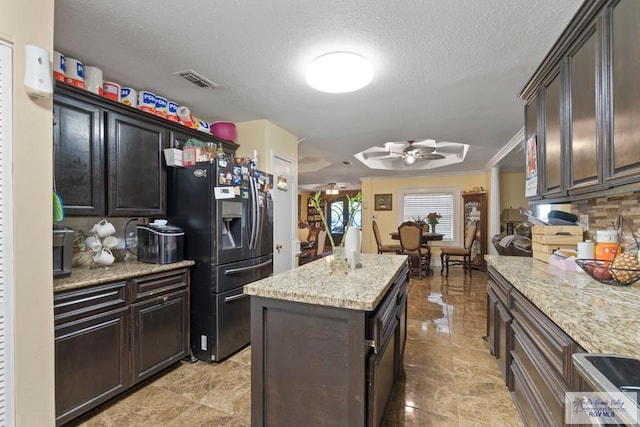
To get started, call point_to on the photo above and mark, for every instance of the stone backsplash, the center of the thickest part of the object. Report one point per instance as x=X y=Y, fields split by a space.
x=604 y=212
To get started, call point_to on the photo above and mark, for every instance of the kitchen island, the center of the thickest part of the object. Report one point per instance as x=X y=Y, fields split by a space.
x=327 y=349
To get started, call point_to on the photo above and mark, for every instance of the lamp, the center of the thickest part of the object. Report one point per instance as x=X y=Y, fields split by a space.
x=339 y=72
x=510 y=216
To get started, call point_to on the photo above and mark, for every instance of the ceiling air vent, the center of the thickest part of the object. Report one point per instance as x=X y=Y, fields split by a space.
x=196 y=78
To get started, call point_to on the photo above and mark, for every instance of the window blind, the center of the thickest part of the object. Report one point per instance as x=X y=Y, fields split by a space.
x=421 y=204
x=6 y=239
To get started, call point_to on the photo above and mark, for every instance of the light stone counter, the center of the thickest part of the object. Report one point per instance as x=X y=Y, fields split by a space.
x=601 y=318
x=83 y=276
x=359 y=289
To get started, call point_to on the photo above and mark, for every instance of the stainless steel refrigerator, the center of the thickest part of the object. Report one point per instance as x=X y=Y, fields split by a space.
x=227 y=215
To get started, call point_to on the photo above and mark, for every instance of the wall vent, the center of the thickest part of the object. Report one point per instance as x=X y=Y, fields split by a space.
x=196 y=78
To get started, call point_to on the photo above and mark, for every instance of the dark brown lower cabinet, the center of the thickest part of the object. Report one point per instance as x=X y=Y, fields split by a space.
x=104 y=344
x=499 y=334
x=533 y=353
x=159 y=334
x=314 y=365
x=91 y=348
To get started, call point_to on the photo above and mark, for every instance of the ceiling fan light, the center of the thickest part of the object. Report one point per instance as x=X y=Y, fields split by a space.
x=332 y=191
x=339 y=72
x=409 y=159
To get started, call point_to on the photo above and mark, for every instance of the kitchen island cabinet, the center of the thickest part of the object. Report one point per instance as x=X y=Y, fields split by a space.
x=111 y=334
x=327 y=349
x=538 y=316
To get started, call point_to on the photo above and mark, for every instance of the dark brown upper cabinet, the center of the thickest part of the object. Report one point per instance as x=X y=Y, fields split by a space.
x=584 y=151
x=551 y=168
x=78 y=156
x=587 y=90
x=109 y=157
x=623 y=59
x=137 y=179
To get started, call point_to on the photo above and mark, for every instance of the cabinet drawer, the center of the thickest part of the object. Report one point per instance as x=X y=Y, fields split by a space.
x=158 y=284
x=72 y=305
x=500 y=286
x=553 y=344
x=527 y=401
x=550 y=386
x=382 y=320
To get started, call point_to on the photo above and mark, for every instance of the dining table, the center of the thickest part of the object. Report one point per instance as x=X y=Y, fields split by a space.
x=426 y=236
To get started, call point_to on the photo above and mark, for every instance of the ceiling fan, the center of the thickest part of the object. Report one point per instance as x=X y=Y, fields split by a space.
x=409 y=151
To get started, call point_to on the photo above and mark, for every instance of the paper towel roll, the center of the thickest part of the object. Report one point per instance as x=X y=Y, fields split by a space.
x=93 y=79
x=74 y=72
x=172 y=111
x=59 y=66
x=147 y=101
x=352 y=243
x=185 y=116
x=162 y=106
x=111 y=90
x=129 y=96
x=586 y=250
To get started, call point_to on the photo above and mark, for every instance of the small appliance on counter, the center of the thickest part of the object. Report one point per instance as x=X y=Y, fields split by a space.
x=62 y=251
x=160 y=243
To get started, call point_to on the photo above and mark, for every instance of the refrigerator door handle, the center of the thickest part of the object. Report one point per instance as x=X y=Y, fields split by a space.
x=250 y=268
x=253 y=203
x=258 y=218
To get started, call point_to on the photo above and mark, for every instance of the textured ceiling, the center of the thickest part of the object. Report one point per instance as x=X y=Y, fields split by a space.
x=449 y=70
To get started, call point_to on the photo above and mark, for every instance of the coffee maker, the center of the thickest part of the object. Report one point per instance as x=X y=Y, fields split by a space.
x=62 y=251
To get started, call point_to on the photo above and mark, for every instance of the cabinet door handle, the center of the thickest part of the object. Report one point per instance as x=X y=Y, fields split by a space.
x=165 y=299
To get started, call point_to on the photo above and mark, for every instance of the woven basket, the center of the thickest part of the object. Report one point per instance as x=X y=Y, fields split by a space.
x=604 y=272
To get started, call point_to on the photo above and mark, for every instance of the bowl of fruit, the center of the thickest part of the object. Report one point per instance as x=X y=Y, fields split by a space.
x=624 y=270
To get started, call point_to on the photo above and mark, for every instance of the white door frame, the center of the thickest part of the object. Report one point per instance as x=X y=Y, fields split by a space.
x=283 y=234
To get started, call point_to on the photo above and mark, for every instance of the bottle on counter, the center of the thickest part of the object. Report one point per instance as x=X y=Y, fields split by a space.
x=222 y=160
x=131 y=247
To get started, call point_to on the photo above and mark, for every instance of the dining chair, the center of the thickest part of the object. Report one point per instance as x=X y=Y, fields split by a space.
x=304 y=236
x=410 y=235
x=381 y=247
x=465 y=252
x=320 y=243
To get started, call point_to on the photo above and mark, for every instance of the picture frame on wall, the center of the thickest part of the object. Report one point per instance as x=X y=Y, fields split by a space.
x=382 y=202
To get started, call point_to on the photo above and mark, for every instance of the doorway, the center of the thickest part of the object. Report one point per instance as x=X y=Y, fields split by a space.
x=339 y=213
x=285 y=194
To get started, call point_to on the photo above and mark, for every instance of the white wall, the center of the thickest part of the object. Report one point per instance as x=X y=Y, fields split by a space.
x=31 y=22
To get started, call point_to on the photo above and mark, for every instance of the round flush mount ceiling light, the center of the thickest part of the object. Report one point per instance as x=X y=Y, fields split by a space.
x=339 y=72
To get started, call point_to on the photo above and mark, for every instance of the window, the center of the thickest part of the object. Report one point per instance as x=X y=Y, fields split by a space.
x=420 y=202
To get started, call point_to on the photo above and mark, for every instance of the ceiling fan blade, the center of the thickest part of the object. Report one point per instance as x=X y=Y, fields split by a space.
x=432 y=156
x=379 y=155
x=425 y=143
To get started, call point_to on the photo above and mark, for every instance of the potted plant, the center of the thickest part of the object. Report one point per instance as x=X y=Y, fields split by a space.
x=338 y=263
x=432 y=219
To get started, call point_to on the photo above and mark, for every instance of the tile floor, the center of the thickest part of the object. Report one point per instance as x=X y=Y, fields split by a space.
x=451 y=379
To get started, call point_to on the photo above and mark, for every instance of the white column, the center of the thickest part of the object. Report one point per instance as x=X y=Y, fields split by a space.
x=494 y=208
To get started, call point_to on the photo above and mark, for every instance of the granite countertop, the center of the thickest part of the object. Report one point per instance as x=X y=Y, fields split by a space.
x=359 y=289
x=83 y=276
x=601 y=318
